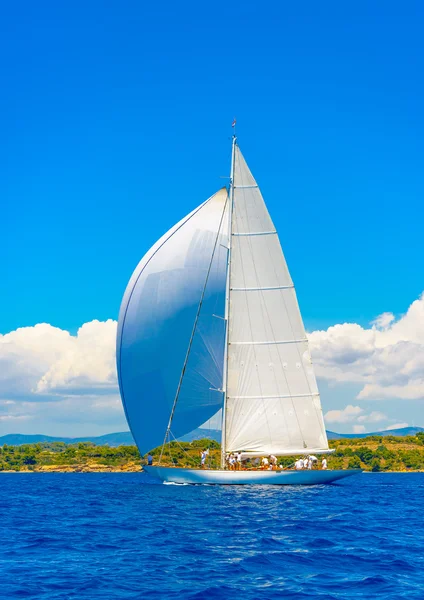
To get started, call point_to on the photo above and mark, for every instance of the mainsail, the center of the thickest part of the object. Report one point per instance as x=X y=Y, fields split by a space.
x=272 y=402
x=210 y=321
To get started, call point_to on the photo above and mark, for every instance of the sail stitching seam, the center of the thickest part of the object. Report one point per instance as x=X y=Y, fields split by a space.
x=278 y=396
x=259 y=289
x=251 y=233
x=265 y=343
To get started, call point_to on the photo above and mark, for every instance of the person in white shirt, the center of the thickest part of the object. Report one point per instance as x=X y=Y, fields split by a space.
x=298 y=464
x=305 y=462
x=324 y=464
x=232 y=462
x=273 y=461
x=265 y=463
x=309 y=463
x=203 y=457
x=238 y=464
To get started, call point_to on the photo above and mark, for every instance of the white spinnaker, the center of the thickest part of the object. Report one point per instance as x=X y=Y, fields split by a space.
x=272 y=402
x=161 y=313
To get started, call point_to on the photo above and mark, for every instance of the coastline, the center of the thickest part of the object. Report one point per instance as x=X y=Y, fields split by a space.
x=374 y=454
x=134 y=469
x=78 y=469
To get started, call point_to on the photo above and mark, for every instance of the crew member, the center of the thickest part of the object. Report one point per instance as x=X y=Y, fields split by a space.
x=203 y=457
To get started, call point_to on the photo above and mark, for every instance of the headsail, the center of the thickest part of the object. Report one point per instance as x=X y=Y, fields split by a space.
x=272 y=399
x=156 y=321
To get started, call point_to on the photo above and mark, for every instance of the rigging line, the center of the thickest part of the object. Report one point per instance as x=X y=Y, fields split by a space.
x=193 y=332
x=228 y=415
x=215 y=273
x=227 y=305
x=171 y=459
x=183 y=449
x=221 y=257
x=209 y=347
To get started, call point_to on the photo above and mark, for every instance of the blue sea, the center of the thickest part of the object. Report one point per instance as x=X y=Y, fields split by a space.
x=120 y=536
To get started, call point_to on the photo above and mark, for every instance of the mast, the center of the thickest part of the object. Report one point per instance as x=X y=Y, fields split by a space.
x=227 y=301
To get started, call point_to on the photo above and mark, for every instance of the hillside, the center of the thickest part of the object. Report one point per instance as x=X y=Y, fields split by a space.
x=375 y=453
x=124 y=438
x=401 y=432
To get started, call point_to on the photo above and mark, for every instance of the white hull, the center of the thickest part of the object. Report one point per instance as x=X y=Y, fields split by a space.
x=220 y=477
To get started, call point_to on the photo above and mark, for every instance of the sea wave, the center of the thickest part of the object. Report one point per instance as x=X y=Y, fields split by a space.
x=87 y=536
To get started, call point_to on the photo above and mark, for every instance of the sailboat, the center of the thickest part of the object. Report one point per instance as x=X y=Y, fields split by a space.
x=210 y=327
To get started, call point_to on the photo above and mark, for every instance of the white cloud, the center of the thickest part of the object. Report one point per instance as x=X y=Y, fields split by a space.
x=384 y=320
x=46 y=360
x=386 y=359
x=374 y=417
x=358 y=429
x=49 y=375
x=86 y=361
x=346 y=415
x=354 y=415
x=398 y=426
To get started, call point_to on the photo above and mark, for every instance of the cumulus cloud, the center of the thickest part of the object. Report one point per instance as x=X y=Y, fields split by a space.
x=45 y=372
x=384 y=320
x=349 y=413
x=398 y=426
x=49 y=375
x=354 y=415
x=358 y=429
x=374 y=417
x=386 y=359
x=46 y=360
x=86 y=361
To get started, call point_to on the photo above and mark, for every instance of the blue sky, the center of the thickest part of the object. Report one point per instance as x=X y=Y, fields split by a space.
x=116 y=121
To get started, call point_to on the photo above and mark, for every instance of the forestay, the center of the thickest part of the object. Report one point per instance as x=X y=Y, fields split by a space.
x=272 y=400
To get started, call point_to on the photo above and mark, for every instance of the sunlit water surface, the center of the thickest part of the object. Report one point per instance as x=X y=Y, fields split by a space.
x=119 y=536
